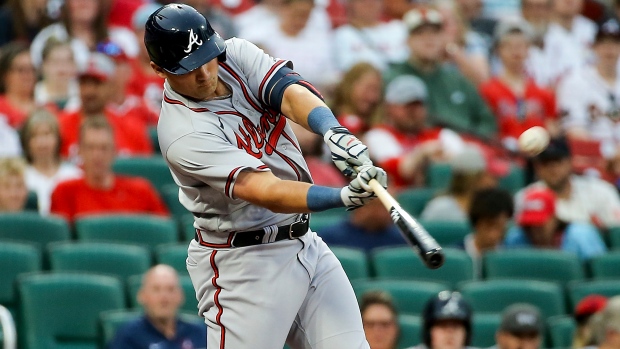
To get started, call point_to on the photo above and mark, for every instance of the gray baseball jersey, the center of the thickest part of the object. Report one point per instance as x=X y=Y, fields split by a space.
x=207 y=144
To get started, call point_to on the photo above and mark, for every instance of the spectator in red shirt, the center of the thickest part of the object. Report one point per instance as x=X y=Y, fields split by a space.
x=95 y=93
x=403 y=145
x=17 y=80
x=144 y=82
x=357 y=98
x=516 y=100
x=101 y=191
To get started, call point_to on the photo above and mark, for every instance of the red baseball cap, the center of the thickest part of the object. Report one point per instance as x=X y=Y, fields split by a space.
x=537 y=206
x=590 y=305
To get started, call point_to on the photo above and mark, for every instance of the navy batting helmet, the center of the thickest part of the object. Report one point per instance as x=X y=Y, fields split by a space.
x=446 y=306
x=179 y=39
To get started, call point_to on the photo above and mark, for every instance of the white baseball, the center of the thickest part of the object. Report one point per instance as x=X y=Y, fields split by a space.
x=533 y=140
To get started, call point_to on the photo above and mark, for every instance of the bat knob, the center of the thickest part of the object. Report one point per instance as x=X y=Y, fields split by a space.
x=435 y=258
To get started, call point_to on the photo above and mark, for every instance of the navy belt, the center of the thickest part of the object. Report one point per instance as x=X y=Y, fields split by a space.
x=292 y=231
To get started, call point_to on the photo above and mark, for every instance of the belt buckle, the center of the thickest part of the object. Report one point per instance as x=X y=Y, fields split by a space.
x=302 y=220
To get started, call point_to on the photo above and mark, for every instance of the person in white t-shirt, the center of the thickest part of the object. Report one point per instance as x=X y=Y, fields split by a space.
x=579 y=199
x=365 y=38
x=296 y=38
x=567 y=41
x=9 y=140
x=40 y=138
x=590 y=97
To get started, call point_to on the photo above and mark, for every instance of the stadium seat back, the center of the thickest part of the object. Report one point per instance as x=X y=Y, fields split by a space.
x=533 y=264
x=16 y=258
x=33 y=228
x=447 y=233
x=606 y=266
x=414 y=200
x=561 y=331
x=174 y=255
x=410 y=331
x=577 y=290
x=484 y=327
x=153 y=168
x=354 y=262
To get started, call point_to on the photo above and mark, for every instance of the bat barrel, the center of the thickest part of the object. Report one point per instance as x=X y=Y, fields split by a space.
x=434 y=258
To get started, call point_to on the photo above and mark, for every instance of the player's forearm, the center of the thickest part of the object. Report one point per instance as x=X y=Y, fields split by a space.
x=298 y=103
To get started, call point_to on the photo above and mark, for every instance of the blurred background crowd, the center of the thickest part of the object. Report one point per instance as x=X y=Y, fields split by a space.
x=439 y=90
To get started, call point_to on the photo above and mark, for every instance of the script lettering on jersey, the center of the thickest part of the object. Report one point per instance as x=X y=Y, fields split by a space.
x=193 y=39
x=255 y=139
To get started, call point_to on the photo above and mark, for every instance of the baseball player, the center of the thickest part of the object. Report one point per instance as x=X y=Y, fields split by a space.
x=262 y=278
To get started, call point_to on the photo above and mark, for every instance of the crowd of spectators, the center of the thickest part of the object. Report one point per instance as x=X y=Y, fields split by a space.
x=421 y=82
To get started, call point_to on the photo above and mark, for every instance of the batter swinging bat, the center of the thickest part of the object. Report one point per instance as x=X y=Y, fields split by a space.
x=414 y=233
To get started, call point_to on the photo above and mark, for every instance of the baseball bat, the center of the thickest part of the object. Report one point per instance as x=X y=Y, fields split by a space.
x=414 y=233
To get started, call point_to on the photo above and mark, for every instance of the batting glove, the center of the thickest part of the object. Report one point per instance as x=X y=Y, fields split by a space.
x=358 y=192
x=347 y=151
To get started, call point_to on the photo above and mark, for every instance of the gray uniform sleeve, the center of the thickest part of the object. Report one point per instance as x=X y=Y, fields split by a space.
x=257 y=66
x=210 y=159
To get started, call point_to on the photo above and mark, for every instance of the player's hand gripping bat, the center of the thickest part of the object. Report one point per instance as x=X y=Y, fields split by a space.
x=414 y=233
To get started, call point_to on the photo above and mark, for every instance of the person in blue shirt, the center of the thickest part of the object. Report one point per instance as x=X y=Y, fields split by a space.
x=367 y=227
x=160 y=327
x=538 y=226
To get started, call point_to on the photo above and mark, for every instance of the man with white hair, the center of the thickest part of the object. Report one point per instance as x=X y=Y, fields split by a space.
x=159 y=327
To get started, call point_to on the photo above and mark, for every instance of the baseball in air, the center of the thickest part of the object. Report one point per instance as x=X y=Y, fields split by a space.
x=533 y=140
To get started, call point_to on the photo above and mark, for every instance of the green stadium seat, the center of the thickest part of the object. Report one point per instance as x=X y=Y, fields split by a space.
x=561 y=331
x=16 y=258
x=32 y=202
x=414 y=200
x=354 y=262
x=438 y=175
x=154 y=139
x=61 y=311
x=153 y=168
x=606 y=266
x=514 y=180
x=320 y=220
x=409 y=296
x=484 y=327
x=613 y=237
x=117 y=260
x=187 y=227
x=190 y=305
x=173 y=255
x=579 y=289
x=446 y=232
x=533 y=264
x=170 y=195
x=410 y=331
x=112 y=320
x=404 y=264
x=493 y=296
x=34 y=228
x=144 y=230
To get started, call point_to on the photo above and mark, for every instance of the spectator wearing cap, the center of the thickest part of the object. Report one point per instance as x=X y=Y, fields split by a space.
x=521 y=327
x=538 y=226
x=606 y=327
x=590 y=97
x=567 y=40
x=365 y=38
x=584 y=311
x=452 y=101
x=583 y=199
x=143 y=82
x=471 y=171
x=404 y=144
x=490 y=212
x=101 y=191
x=95 y=95
x=515 y=99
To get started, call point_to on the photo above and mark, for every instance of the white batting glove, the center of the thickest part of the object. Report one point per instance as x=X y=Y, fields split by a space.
x=358 y=192
x=347 y=151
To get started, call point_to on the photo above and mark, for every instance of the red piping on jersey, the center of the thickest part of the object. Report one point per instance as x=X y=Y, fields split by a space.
x=174 y=101
x=262 y=83
x=242 y=85
x=262 y=167
x=208 y=244
x=290 y=163
x=218 y=317
x=231 y=175
x=290 y=139
x=311 y=88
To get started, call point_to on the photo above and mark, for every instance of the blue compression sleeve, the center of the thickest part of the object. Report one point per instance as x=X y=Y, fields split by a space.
x=321 y=198
x=321 y=119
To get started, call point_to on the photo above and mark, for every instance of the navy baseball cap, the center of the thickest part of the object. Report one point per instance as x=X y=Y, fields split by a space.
x=608 y=29
x=557 y=149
